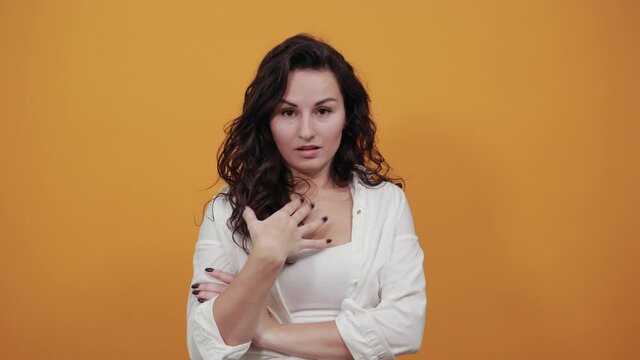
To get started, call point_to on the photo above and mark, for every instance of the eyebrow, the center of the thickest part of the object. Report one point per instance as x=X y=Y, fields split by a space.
x=317 y=103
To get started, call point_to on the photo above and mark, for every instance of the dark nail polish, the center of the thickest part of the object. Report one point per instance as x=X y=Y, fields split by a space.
x=328 y=241
x=201 y=300
x=195 y=286
x=195 y=292
x=208 y=269
x=324 y=219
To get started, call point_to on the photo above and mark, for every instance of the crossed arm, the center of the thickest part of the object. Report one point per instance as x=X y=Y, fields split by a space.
x=313 y=340
x=239 y=312
x=394 y=326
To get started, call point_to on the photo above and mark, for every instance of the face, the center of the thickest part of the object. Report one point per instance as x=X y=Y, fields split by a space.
x=307 y=124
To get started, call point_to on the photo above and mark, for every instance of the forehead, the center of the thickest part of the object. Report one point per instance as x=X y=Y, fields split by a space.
x=308 y=86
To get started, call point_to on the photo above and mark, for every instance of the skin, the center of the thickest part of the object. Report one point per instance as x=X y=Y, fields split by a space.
x=311 y=113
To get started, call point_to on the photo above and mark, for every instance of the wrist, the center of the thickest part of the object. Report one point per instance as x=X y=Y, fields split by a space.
x=268 y=257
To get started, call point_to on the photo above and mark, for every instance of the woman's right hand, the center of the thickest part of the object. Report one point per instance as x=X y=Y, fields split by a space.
x=281 y=235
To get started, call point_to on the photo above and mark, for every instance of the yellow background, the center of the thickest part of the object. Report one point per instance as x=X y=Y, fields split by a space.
x=514 y=123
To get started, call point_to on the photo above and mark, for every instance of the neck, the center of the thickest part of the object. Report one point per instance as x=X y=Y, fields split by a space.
x=316 y=182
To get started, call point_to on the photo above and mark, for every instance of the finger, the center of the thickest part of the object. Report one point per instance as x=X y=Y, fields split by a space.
x=213 y=287
x=302 y=212
x=292 y=205
x=221 y=275
x=206 y=295
x=315 y=244
x=312 y=226
x=248 y=215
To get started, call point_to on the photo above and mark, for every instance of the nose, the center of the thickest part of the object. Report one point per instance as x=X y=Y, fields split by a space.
x=307 y=130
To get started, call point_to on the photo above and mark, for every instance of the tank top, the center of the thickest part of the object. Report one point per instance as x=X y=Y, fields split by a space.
x=315 y=285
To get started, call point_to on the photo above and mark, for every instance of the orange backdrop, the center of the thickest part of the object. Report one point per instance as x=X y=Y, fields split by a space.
x=515 y=124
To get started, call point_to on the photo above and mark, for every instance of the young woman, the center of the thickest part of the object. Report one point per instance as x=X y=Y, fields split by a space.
x=309 y=251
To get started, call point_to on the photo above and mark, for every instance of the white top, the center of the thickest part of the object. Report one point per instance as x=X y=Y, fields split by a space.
x=315 y=285
x=384 y=311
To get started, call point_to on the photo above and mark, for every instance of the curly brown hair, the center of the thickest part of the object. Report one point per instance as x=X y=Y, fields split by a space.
x=248 y=159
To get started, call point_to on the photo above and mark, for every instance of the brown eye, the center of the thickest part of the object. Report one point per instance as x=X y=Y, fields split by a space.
x=324 y=111
x=287 y=113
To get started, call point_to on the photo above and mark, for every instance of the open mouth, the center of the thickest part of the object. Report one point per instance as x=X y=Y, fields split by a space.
x=308 y=147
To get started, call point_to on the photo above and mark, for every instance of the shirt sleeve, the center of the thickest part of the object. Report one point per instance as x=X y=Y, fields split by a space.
x=395 y=326
x=203 y=337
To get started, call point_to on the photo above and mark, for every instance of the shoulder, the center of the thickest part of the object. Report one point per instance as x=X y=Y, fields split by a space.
x=219 y=205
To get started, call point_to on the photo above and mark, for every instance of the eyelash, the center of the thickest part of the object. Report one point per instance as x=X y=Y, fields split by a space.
x=285 y=111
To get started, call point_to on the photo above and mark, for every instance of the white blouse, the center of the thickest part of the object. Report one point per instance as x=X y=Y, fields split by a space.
x=384 y=310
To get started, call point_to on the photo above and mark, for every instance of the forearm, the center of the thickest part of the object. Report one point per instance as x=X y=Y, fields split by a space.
x=237 y=309
x=313 y=341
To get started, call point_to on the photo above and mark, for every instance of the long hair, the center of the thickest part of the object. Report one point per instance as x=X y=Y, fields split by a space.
x=248 y=159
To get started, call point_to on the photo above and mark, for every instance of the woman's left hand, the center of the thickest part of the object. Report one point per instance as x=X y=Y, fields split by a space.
x=207 y=290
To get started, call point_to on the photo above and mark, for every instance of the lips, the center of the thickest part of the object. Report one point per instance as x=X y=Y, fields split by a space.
x=309 y=151
x=308 y=147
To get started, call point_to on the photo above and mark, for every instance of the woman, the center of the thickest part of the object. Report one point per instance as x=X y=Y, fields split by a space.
x=309 y=251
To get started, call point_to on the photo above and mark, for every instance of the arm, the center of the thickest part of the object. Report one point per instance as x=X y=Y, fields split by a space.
x=224 y=326
x=203 y=335
x=273 y=239
x=313 y=341
x=238 y=307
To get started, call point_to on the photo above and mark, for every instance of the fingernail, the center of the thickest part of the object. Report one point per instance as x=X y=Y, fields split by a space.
x=208 y=269
x=195 y=292
x=313 y=205
x=195 y=286
x=324 y=219
x=328 y=241
x=201 y=300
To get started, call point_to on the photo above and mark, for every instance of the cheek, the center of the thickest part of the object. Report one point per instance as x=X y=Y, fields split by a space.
x=336 y=132
x=284 y=137
x=278 y=134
